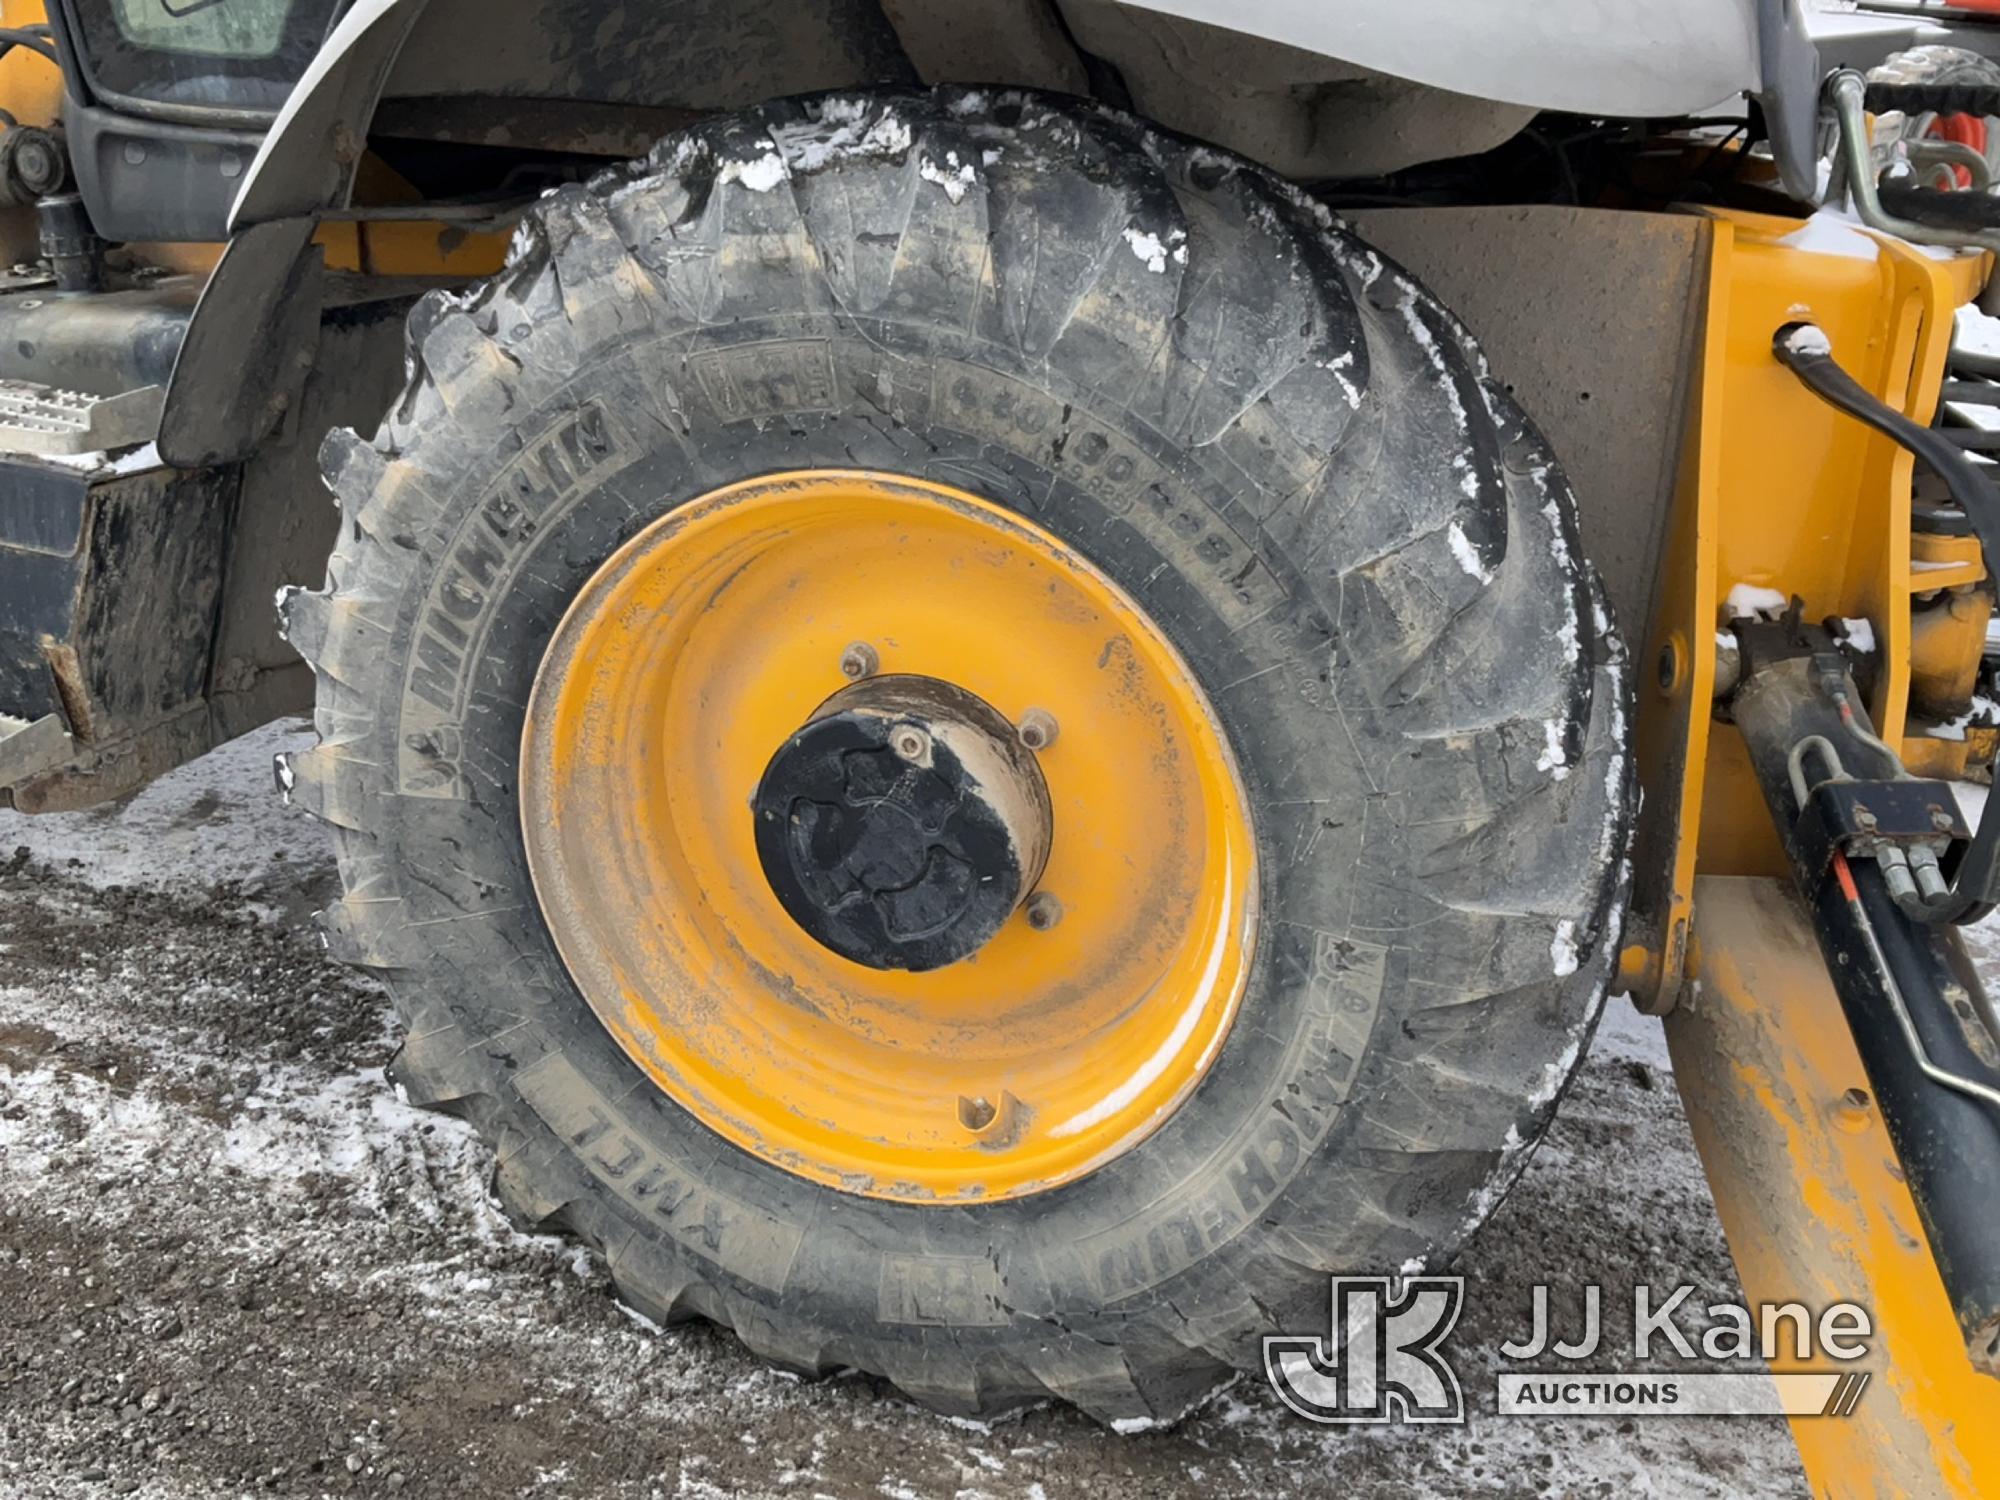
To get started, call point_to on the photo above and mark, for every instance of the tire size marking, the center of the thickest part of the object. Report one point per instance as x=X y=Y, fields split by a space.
x=720 y=1228
x=767 y=379
x=1109 y=467
x=940 y=1291
x=1345 y=993
x=587 y=445
x=1191 y=1223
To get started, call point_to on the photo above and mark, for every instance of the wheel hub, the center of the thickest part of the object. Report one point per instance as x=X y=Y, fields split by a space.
x=903 y=824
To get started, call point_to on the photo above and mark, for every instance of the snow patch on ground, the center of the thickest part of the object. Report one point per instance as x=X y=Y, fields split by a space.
x=193 y=1112
x=213 y=820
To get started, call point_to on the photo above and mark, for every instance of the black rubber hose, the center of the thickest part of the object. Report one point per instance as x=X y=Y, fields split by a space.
x=1974 y=439
x=1969 y=361
x=1971 y=392
x=1804 y=350
x=14 y=36
x=1941 y=208
x=1942 y=98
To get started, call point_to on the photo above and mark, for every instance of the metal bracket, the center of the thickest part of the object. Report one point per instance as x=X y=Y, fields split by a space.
x=1864 y=819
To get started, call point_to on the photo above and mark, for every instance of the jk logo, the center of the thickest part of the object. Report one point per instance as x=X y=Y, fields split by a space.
x=1378 y=1361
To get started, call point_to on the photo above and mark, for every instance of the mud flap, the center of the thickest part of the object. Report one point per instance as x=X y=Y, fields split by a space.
x=109 y=582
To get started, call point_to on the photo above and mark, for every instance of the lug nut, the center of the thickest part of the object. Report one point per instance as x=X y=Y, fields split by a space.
x=1044 y=911
x=860 y=660
x=1037 y=729
x=975 y=1114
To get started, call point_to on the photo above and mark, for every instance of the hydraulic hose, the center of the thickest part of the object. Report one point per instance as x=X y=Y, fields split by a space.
x=1803 y=348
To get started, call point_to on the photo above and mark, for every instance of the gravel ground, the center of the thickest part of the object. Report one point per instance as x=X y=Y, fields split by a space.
x=233 y=1262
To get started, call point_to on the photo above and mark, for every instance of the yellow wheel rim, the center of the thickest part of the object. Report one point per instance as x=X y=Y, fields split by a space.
x=708 y=640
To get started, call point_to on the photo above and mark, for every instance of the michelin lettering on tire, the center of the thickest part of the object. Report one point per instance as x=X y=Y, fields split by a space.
x=1269 y=436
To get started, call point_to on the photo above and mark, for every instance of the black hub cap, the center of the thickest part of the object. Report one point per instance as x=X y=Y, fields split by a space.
x=903 y=823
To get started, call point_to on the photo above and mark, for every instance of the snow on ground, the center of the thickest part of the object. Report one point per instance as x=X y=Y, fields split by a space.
x=233 y=1262
x=213 y=821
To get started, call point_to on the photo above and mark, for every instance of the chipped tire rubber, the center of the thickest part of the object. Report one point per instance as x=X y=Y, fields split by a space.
x=1274 y=439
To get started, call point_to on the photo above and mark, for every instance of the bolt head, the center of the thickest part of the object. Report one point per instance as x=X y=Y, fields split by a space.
x=860 y=660
x=911 y=743
x=1853 y=1110
x=1037 y=729
x=1044 y=911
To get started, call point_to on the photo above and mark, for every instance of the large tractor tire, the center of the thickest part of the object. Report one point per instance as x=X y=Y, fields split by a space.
x=976 y=742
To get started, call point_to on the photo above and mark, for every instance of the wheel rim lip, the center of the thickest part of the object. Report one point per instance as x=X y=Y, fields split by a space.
x=1144 y=1047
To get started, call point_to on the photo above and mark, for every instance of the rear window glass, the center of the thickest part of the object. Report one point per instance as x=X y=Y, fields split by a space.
x=214 y=28
x=231 y=55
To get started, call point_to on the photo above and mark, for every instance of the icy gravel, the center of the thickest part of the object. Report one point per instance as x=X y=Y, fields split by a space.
x=233 y=1262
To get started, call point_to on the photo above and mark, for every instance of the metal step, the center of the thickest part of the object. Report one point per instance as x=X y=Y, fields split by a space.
x=41 y=419
x=28 y=748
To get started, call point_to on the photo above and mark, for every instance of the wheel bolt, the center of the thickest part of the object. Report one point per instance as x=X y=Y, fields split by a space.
x=1044 y=911
x=1037 y=729
x=860 y=660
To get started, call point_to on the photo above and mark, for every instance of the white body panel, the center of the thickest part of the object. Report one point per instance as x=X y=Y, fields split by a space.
x=1614 y=57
